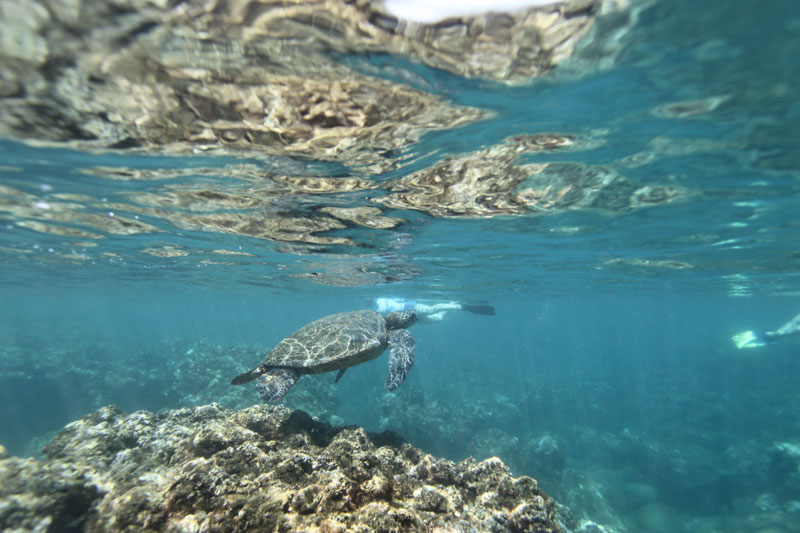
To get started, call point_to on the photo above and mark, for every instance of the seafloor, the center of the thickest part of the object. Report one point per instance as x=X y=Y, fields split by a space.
x=128 y=470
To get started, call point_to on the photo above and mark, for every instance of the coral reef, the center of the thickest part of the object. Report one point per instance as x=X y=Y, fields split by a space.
x=265 y=468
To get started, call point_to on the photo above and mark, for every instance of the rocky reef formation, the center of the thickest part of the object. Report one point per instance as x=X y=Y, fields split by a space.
x=265 y=468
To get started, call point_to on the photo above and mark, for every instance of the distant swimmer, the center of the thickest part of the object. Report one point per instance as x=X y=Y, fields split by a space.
x=431 y=311
x=751 y=339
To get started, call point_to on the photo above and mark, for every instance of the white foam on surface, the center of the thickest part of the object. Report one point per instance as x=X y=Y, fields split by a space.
x=435 y=10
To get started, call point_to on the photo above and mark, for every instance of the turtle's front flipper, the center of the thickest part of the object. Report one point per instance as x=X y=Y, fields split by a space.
x=401 y=358
x=339 y=375
x=275 y=383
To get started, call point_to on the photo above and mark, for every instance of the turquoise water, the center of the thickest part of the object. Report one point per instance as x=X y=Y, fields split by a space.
x=608 y=371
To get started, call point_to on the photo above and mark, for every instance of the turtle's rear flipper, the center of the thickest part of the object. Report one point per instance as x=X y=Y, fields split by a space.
x=247 y=377
x=275 y=383
x=401 y=358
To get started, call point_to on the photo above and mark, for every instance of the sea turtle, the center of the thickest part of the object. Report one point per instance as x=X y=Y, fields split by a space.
x=335 y=342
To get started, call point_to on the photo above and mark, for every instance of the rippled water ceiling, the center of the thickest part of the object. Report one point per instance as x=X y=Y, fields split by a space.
x=268 y=78
x=335 y=130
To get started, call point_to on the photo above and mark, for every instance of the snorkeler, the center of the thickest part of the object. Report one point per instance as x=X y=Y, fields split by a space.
x=433 y=312
x=751 y=339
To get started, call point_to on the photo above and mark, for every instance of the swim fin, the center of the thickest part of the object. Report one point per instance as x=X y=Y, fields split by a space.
x=748 y=339
x=478 y=309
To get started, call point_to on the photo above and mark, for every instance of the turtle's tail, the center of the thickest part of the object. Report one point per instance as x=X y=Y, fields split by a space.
x=247 y=377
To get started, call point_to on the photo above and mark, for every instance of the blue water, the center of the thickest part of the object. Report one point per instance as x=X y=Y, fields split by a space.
x=612 y=333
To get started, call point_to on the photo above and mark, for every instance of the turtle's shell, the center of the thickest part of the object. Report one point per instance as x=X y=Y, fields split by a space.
x=332 y=343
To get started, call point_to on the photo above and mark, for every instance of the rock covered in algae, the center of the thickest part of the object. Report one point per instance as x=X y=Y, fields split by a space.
x=265 y=468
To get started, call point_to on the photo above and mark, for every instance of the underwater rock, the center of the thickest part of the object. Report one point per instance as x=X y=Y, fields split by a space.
x=545 y=453
x=265 y=468
x=587 y=526
x=640 y=494
x=784 y=467
x=657 y=518
x=588 y=496
x=432 y=426
x=494 y=442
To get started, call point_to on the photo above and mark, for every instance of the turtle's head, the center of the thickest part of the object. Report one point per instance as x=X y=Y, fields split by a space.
x=400 y=319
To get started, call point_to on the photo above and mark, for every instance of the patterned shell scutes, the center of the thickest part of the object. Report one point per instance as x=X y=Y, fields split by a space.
x=338 y=337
